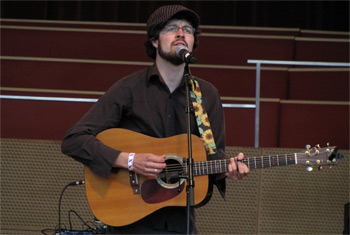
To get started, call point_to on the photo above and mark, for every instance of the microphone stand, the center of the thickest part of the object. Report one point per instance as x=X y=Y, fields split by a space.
x=190 y=180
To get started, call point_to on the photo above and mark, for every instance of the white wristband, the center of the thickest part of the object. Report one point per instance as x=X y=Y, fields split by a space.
x=131 y=161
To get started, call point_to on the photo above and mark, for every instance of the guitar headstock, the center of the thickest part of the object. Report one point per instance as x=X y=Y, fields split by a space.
x=317 y=156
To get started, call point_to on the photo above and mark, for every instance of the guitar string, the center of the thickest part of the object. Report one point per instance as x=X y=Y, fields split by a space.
x=202 y=168
x=205 y=165
x=222 y=163
x=257 y=159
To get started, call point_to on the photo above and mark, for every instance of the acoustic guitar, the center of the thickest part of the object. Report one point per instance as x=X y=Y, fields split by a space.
x=125 y=197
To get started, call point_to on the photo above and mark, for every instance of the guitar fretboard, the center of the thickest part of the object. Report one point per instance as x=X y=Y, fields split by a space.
x=221 y=166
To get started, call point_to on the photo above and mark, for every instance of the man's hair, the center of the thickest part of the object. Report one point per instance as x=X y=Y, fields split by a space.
x=153 y=34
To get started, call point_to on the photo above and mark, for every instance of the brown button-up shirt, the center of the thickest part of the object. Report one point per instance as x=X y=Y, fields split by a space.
x=143 y=103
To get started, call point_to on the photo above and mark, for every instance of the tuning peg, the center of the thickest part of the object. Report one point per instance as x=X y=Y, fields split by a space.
x=309 y=168
x=320 y=168
x=308 y=147
x=328 y=144
x=318 y=146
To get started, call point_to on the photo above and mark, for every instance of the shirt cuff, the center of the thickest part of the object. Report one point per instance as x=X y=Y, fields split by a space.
x=102 y=164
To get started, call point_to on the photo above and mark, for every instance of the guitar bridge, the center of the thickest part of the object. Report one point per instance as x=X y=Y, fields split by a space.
x=134 y=182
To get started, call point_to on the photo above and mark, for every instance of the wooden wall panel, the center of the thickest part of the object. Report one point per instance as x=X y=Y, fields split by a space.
x=46 y=74
x=204 y=28
x=74 y=24
x=142 y=27
x=241 y=81
x=323 y=34
x=77 y=44
x=237 y=49
x=117 y=45
x=326 y=50
x=30 y=119
x=319 y=84
x=240 y=124
x=305 y=123
x=234 y=81
x=216 y=51
x=47 y=120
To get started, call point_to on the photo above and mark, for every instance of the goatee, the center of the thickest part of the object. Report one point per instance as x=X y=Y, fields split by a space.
x=171 y=58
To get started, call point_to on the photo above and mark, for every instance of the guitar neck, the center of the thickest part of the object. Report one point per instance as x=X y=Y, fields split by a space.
x=221 y=166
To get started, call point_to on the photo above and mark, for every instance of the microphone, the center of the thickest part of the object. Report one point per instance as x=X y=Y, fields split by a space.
x=185 y=55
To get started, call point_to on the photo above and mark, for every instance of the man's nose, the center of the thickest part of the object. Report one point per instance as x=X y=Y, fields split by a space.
x=180 y=33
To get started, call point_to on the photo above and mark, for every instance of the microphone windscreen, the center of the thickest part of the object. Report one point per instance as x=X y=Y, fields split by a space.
x=178 y=50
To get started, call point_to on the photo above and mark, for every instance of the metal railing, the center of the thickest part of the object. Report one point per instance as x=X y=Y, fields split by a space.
x=258 y=78
x=257 y=90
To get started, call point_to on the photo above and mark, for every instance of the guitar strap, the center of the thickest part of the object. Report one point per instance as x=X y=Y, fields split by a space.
x=202 y=118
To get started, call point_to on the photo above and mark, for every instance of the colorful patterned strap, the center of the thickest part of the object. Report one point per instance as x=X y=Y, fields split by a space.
x=202 y=118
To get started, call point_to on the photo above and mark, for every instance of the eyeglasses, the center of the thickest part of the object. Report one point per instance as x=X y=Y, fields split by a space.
x=175 y=29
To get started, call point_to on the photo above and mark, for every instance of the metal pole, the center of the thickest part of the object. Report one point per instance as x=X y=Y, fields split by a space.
x=279 y=62
x=257 y=105
x=305 y=63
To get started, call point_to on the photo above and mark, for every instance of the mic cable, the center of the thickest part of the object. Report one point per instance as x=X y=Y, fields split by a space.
x=59 y=203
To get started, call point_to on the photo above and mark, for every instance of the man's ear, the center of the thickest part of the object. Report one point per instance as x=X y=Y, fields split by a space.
x=155 y=43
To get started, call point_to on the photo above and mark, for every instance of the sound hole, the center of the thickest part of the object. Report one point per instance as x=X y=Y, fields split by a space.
x=169 y=177
x=170 y=174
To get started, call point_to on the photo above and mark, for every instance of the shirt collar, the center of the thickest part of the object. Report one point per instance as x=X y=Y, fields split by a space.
x=154 y=75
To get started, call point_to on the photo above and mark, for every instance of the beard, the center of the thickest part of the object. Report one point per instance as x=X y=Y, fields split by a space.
x=168 y=56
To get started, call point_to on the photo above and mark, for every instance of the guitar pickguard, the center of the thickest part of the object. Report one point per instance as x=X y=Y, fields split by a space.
x=167 y=184
x=152 y=192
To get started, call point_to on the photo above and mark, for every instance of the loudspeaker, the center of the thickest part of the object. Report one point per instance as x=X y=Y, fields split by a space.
x=346 y=219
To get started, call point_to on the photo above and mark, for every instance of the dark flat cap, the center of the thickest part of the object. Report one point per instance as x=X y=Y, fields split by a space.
x=165 y=13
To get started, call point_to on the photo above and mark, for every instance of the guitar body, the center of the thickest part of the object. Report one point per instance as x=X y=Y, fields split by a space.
x=113 y=200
